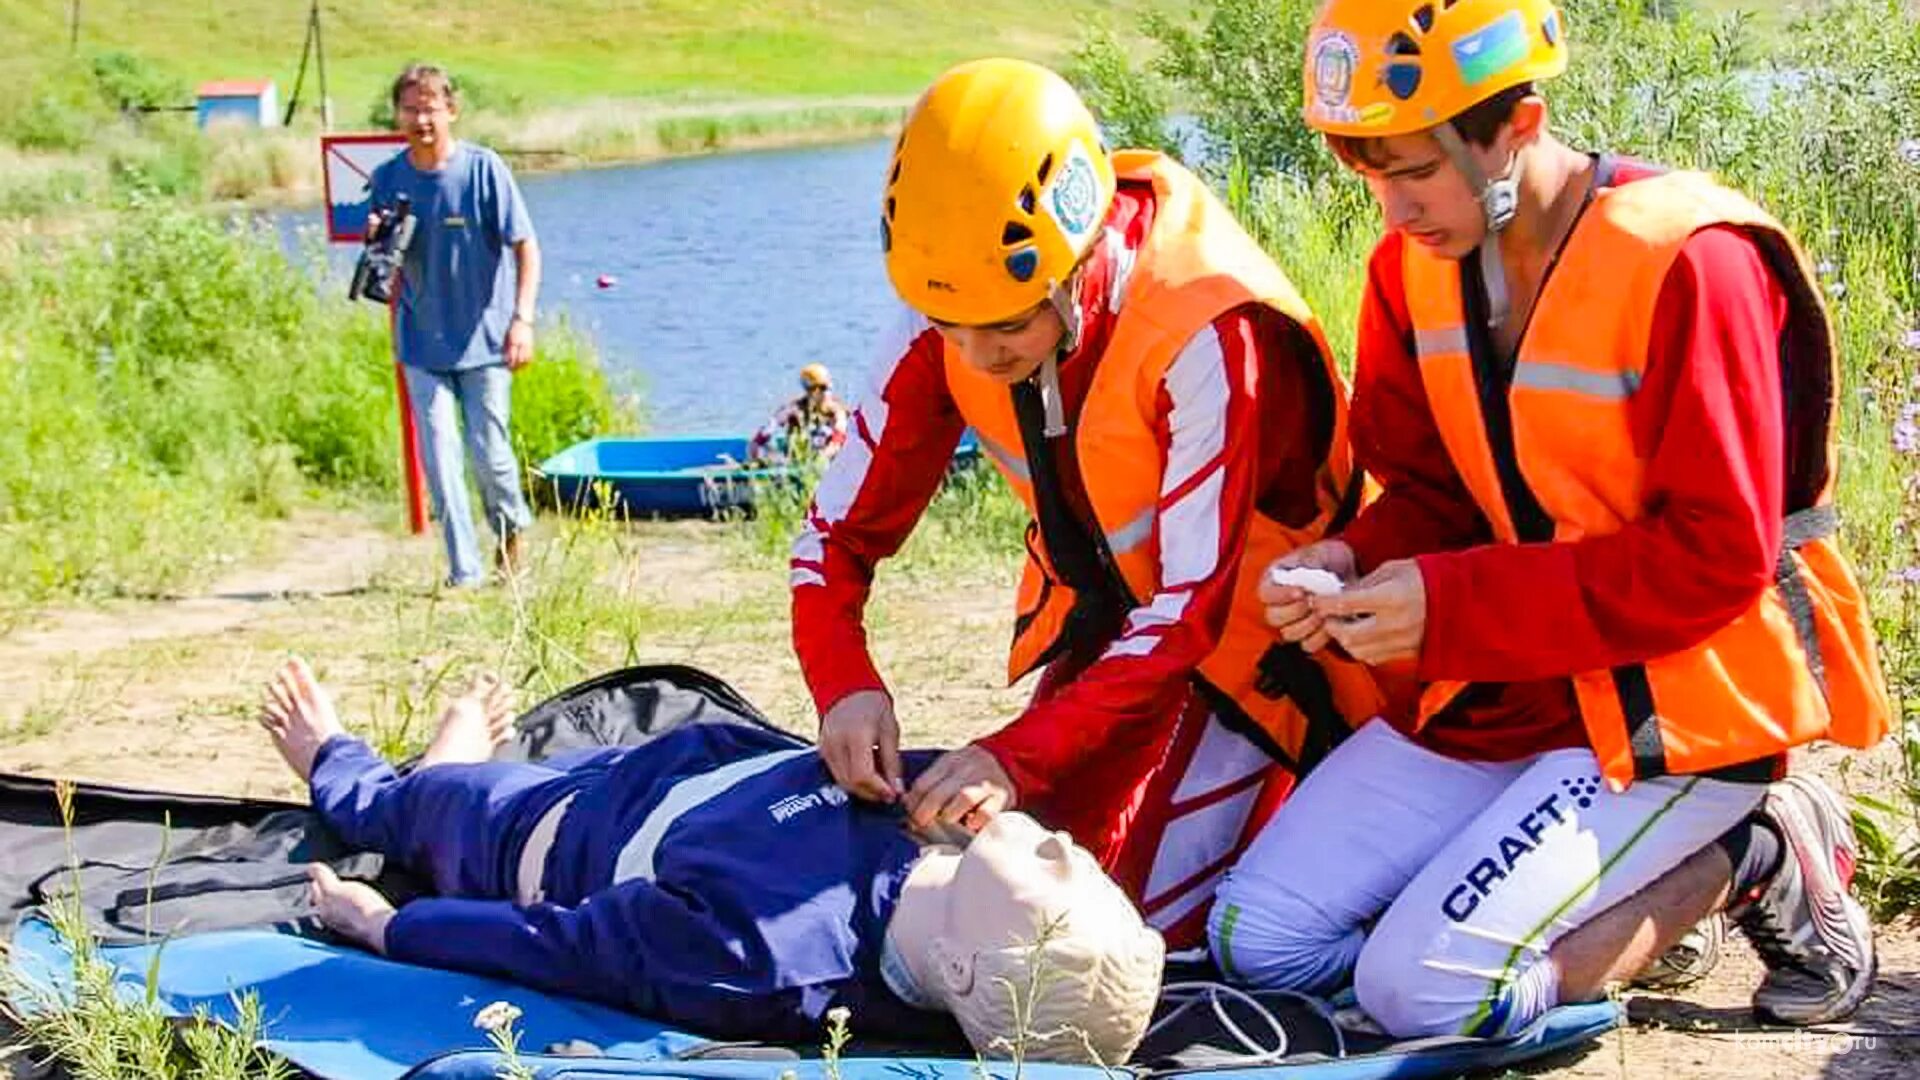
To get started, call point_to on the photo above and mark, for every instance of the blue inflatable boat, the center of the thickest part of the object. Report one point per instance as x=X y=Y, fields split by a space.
x=673 y=476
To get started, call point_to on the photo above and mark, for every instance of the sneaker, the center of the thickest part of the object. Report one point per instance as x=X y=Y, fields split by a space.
x=1814 y=937
x=1690 y=960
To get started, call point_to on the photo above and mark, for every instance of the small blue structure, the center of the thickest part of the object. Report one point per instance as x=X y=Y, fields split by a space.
x=252 y=102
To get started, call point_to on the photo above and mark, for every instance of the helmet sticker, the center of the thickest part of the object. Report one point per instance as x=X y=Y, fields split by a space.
x=1073 y=198
x=1492 y=49
x=1335 y=59
x=1378 y=114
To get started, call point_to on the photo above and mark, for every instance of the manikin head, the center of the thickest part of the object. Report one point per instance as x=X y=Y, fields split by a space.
x=975 y=928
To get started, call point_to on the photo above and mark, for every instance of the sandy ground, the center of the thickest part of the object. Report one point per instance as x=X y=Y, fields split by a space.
x=160 y=694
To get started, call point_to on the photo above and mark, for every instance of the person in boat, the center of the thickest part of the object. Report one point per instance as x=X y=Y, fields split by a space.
x=811 y=427
x=1599 y=396
x=1165 y=406
x=716 y=877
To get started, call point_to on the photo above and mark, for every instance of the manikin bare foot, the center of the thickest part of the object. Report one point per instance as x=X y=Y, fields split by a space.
x=472 y=724
x=299 y=714
x=352 y=909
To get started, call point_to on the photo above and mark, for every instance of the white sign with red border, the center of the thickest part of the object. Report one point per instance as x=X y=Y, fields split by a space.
x=347 y=163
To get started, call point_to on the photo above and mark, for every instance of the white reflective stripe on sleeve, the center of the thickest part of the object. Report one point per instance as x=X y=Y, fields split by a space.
x=1165 y=610
x=1190 y=534
x=806 y=577
x=809 y=546
x=1124 y=260
x=1190 y=528
x=1197 y=385
x=1131 y=646
x=1144 y=625
x=636 y=857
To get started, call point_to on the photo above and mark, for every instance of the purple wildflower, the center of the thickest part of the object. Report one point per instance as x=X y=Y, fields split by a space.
x=1906 y=431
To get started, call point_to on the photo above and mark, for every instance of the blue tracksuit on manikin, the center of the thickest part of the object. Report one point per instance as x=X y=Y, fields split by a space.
x=714 y=877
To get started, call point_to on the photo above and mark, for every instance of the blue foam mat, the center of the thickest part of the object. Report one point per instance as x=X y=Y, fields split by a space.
x=344 y=1014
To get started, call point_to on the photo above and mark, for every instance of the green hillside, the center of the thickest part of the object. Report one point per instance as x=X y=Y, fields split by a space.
x=560 y=50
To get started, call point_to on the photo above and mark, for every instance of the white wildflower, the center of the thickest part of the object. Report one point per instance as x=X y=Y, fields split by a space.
x=497 y=1017
x=839 y=1015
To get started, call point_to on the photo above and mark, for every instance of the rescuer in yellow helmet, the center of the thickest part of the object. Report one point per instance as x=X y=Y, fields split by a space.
x=1160 y=399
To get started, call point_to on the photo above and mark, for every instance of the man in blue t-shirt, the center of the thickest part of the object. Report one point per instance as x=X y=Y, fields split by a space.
x=462 y=328
x=717 y=878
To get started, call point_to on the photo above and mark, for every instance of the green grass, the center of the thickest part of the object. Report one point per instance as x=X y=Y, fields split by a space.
x=175 y=381
x=1769 y=16
x=550 y=84
x=547 y=52
x=102 y=1027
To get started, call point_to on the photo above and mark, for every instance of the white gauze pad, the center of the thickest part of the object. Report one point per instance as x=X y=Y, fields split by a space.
x=1316 y=581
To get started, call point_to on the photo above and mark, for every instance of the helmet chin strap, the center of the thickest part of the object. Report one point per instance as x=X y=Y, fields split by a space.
x=1065 y=299
x=1500 y=204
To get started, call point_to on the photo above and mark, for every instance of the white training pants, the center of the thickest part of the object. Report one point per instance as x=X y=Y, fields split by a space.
x=1471 y=869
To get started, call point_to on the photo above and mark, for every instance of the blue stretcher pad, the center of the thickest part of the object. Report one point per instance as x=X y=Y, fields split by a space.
x=343 y=1014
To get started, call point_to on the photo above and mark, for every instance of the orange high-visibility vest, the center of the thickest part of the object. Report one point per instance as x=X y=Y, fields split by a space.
x=1195 y=265
x=1800 y=664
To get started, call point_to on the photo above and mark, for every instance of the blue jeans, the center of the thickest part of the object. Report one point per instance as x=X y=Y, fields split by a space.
x=479 y=400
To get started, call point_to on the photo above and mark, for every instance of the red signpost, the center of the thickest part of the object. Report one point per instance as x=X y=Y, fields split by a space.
x=409 y=436
x=348 y=161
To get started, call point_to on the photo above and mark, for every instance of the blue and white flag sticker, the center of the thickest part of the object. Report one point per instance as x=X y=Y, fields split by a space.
x=1072 y=197
x=1492 y=49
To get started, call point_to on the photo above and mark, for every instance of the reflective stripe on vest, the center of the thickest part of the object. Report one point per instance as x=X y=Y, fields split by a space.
x=1798 y=665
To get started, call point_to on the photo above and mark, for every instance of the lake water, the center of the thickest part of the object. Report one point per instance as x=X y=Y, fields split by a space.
x=731 y=272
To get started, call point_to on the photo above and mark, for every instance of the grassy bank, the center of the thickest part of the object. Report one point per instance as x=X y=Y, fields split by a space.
x=281 y=167
x=551 y=84
x=173 y=380
x=550 y=51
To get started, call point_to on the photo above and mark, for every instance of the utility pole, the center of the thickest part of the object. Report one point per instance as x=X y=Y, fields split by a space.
x=320 y=57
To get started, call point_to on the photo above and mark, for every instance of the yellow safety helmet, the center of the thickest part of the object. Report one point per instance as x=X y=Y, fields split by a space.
x=815 y=377
x=1395 y=67
x=998 y=185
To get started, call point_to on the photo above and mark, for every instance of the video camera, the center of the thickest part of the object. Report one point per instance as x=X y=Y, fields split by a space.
x=378 y=270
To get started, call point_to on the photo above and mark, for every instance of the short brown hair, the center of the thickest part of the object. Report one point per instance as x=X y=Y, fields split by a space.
x=427 y=76
x=1478 y=125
